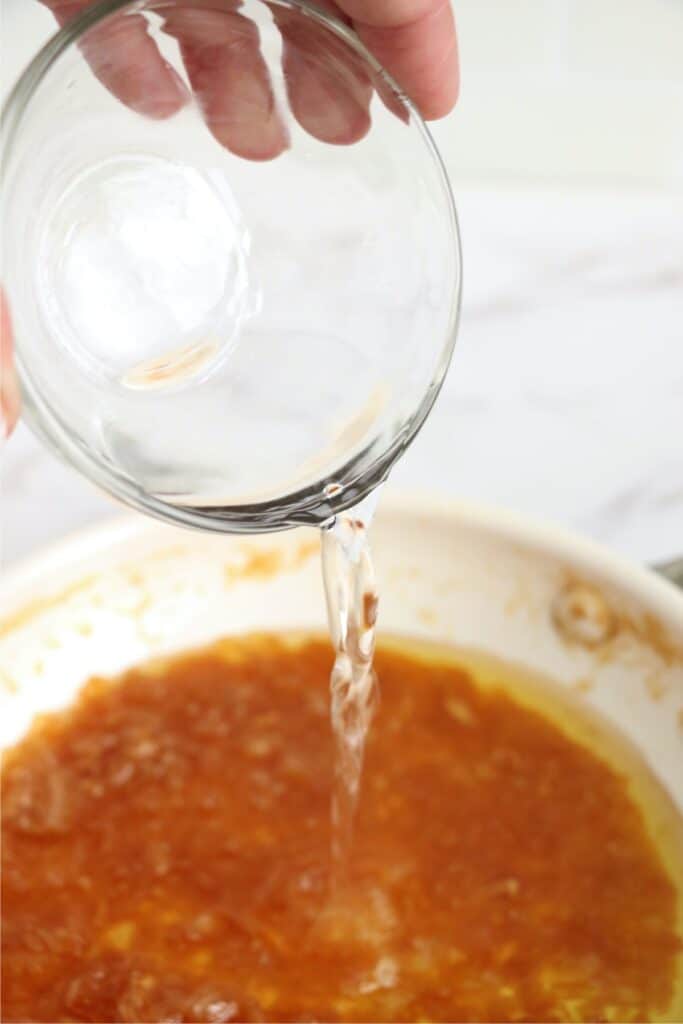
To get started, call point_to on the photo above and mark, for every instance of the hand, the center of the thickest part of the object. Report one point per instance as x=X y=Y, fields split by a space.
x=9 y=389
x=413 y=39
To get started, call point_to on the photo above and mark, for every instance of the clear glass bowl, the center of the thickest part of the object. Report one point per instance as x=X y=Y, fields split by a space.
x=232 y=259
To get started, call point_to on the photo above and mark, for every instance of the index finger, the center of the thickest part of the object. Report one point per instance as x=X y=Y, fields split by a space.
x=127 y=61
x=415 y=41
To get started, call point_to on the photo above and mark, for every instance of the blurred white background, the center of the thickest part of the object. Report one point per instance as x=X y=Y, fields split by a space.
x=565 y=398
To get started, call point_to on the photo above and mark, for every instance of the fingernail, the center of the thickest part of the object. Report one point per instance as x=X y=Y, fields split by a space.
x=162 y=97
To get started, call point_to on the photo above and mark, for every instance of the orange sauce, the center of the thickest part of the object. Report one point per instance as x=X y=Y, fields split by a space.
x=166 y=854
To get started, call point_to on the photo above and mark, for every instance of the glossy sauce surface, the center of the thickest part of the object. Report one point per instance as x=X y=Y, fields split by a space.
x=166 y=855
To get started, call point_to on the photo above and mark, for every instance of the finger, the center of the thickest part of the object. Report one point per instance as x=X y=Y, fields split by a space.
x=328 y=89
x=9 y=387
x=126 y=60
x=415 y=41
x=230 y=80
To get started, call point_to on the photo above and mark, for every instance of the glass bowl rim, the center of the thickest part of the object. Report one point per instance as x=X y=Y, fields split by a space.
x=317 y=503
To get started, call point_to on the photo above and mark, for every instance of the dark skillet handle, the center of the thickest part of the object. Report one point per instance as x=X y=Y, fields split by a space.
x=672 y=570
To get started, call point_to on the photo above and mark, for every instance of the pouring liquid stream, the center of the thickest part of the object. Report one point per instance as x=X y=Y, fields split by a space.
x=351 y=596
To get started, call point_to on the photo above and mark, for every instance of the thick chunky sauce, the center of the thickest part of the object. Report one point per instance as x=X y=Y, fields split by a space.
x=166 y=855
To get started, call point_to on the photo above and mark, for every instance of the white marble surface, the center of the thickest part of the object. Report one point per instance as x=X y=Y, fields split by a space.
x=565 y=396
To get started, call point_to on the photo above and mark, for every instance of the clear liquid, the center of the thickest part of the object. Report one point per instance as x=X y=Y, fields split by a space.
x=351 y=596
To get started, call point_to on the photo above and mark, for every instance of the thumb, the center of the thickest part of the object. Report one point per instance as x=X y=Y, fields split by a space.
x=9 y=386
